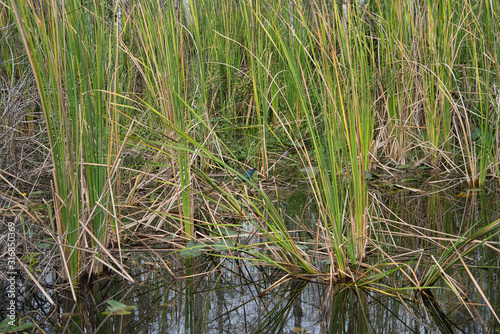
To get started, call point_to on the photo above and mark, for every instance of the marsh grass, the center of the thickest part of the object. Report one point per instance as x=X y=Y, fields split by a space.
x=146 y=102
x=72 y=79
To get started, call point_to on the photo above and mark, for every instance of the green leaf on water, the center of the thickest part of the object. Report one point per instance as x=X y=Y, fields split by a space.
x=117 y=308
x=227 y=232
x=482 y=138
x=476 y=134
x=192 y=249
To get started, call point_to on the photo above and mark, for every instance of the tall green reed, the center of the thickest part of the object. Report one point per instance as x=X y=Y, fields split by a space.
x=329 y=74
x=163 y=62
x=483 y=83
x=438 y=70
x=396 y=73
x=66 y=47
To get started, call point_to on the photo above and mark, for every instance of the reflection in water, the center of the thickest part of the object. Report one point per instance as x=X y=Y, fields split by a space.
x=236 y=297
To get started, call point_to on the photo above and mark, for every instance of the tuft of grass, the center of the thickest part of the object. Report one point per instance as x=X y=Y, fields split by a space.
x=67 y=47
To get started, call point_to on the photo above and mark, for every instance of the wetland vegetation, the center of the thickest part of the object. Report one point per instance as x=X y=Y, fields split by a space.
x=128 y=129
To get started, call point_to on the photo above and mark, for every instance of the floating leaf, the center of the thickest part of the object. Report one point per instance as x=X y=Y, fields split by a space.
x=227 y=232
x=476 y=134
x=192 y=249
x=117 y=308
x=481 y=137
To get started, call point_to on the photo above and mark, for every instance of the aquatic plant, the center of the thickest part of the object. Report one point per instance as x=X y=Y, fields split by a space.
x=72 y=79
x=147 y=105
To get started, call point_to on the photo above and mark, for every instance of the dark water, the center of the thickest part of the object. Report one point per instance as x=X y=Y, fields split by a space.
x=235 y=296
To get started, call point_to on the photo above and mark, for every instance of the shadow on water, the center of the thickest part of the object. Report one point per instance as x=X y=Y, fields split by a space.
x=232 y=296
